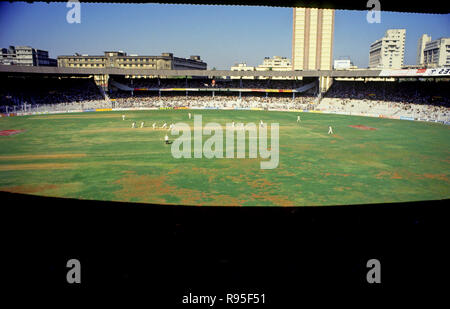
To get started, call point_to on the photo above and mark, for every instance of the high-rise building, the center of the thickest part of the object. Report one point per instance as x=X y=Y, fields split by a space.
x=312 y=39
x=437 y=53
x=424 y=39
x=388 y=52
x=26 y=55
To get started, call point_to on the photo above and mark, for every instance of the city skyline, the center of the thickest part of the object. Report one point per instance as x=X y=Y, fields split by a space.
x=221 y=35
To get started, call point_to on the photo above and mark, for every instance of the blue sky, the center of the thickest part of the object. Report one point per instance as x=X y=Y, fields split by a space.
x=221 y=35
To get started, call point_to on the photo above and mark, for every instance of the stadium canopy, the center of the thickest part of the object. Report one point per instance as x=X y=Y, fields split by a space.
x=16 y=69
x=431 y=6
x=205 y=73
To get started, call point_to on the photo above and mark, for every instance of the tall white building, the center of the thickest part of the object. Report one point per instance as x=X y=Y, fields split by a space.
x=388 y=52
x=312 y=42
x=424 y=39
x=437 y=53
x=312 y=39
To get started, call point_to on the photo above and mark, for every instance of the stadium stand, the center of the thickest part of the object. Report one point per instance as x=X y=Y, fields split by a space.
x=173 y=99
x=47 y=91
x=418 y=100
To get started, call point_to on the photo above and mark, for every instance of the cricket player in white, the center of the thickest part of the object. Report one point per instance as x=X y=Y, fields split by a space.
x=154 y=125
x=298 y=118
x=123 y=117
x=189 y=115
x=171 y=126
x=232 y=124
x=164 y=125
x=133 y=125
x=261 y=123
x=166 y=139
x=142 y=124
x=330 y=130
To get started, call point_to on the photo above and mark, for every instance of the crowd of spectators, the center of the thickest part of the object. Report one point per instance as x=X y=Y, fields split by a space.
x=21 y=91
x=209 y=83
x=173 y=99
x=422 y=100
x=430 y=93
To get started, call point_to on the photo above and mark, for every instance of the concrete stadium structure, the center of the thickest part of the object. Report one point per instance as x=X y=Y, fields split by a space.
x=151 y=72
x=101 y=75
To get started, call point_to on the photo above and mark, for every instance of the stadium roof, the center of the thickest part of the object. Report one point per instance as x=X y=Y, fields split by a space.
x=16 y=69
x=431 y=6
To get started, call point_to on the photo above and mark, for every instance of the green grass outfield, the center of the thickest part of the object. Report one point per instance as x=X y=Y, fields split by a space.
x=99 y=156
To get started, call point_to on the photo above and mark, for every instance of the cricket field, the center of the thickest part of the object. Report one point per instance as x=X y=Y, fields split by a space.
x=98 y=156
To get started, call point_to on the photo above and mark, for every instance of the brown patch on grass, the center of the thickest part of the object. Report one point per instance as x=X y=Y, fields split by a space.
x=382 y=174
x=436 y=176
x=44 y=156
x=392 y=175
x=42 y=188
x=238 y=179
x=337 y=136
x=29 y=188
x=174 y=171
x=37 y=166
x=333 y=141
x=206 y=171
x=286 y=173
x=143 y=188
x=361 y=127
x=226 y=200
x=202 y=170
x=395 y=175
x=154 y=189
x=275 y=199
x=336 y=174
x=189 y=197
x=340 y=189
x=408 y=175
x=260 y=183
